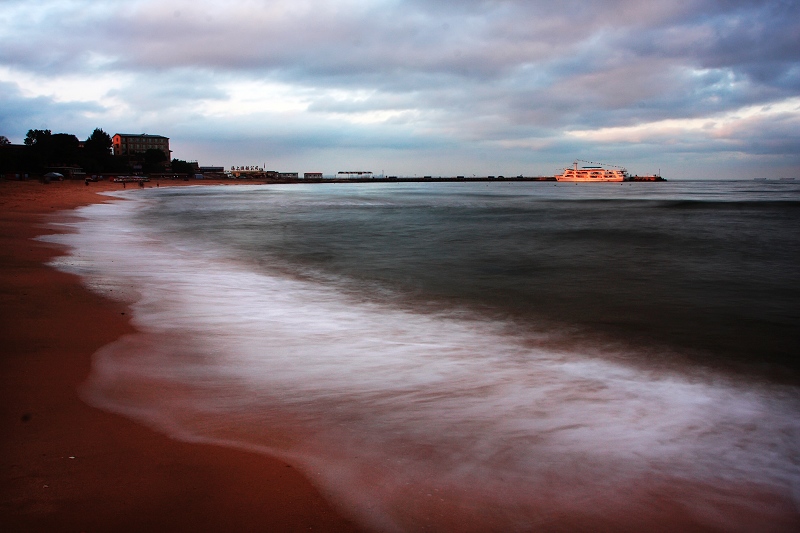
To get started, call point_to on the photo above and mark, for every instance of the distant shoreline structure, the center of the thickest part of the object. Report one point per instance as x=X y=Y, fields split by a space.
x=293 y=177
x=259 y=174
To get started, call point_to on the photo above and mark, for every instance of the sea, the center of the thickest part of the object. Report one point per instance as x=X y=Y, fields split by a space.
x=472 y=357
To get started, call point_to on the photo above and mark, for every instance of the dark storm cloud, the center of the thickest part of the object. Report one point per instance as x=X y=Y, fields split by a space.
x=412 y=45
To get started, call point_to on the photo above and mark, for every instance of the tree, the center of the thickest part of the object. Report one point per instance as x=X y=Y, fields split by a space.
x=152 y=159
x=98 y=143
x=96 y=153
x=182 y=167
x=37 y=137
x=64 y=149
x=50 y=149
x=154 y=156
x=40 y=147
x=4 y=140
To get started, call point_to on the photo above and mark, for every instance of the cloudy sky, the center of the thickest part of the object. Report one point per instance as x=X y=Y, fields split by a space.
x=695 y=88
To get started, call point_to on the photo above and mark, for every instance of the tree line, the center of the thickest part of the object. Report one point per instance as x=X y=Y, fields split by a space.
x=43 y=149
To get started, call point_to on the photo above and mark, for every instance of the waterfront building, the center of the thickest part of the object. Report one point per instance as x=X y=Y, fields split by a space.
x=130 y=144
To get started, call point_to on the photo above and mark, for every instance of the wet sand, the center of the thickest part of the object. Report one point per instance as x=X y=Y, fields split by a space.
x=70 y=467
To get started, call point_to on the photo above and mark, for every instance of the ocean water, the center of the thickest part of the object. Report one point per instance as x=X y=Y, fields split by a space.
x=471 y=356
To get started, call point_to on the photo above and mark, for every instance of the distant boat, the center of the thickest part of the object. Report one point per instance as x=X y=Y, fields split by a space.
x=760 y=179
x=593 y=173
x=787 y=179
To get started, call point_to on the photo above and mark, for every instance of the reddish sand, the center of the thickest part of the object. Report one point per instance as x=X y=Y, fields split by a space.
x=69 y=467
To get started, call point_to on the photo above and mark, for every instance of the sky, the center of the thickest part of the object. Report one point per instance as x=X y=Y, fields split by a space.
x=690 y=88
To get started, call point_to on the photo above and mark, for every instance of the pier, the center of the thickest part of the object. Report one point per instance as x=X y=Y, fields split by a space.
x=441 y=179
x=429 y=179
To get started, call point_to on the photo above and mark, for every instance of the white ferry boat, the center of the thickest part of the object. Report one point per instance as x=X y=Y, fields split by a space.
x=593 y=173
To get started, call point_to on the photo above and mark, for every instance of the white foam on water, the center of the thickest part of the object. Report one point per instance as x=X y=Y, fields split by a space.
x=422 y=421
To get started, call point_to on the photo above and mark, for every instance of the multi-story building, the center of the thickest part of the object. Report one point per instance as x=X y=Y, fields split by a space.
x=130 y=144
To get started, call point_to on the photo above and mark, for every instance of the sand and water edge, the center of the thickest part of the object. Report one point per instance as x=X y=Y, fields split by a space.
x=71 y=467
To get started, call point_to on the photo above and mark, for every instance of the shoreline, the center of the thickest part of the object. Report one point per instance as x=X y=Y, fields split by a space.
x=69 y=466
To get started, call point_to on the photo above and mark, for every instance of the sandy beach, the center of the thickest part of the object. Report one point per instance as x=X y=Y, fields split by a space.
x=70 y=467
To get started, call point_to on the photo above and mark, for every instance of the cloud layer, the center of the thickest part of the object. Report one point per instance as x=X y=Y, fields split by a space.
x=444 y=87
